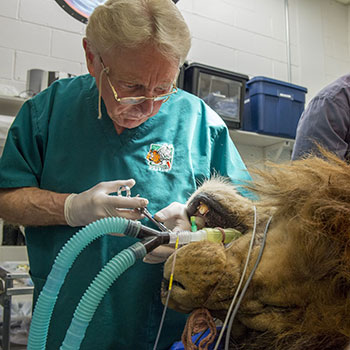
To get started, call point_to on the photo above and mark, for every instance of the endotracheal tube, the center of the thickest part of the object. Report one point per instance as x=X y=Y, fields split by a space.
x=216 y=235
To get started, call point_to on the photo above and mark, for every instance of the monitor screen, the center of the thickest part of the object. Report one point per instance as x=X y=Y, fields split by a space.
x=221 y=94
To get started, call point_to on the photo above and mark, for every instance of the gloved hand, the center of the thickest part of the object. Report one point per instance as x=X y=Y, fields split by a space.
x=96 y=203
x=175 y=218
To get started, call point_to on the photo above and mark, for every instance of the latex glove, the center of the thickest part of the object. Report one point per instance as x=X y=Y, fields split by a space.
x=175 y=218
x=96 y=203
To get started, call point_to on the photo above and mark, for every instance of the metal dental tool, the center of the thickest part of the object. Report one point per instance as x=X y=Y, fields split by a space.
x=149 y=216
x=143 y=211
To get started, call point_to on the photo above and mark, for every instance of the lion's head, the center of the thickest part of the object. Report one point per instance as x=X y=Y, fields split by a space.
x=299 y=296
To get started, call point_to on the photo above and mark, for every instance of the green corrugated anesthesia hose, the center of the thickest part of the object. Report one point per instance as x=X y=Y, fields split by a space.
x=63 y=262
x=96 y=291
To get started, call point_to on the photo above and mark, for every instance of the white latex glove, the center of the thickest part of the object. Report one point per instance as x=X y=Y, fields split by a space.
x=96 y=203
x=175 y=218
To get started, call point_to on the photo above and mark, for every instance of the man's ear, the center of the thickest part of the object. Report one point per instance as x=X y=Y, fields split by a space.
x=89 y=56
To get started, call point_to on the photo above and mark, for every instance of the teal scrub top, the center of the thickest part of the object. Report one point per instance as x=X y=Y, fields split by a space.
x=57 y=143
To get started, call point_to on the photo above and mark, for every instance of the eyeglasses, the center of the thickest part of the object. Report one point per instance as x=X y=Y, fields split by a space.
x=139 y=99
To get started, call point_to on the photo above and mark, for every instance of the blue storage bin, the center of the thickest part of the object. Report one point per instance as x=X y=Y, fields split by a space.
x=273 y=107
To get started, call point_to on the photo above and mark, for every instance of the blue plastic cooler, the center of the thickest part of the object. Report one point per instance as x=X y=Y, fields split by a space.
x=273 y=107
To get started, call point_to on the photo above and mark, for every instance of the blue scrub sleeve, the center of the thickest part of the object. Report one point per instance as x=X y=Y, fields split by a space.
x=327 y=122
x=21 y=162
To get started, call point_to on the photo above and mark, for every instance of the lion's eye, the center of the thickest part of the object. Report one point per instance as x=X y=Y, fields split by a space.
x=176 y=283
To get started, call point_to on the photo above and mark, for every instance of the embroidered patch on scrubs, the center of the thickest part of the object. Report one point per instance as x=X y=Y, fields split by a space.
x=160 y=157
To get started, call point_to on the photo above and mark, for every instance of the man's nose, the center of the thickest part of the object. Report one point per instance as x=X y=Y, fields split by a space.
x=147 y=107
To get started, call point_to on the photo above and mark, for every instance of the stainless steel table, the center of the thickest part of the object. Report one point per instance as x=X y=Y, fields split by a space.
x=7 y=290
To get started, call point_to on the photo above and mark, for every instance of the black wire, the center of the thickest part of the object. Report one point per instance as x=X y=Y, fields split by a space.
x=200 y=336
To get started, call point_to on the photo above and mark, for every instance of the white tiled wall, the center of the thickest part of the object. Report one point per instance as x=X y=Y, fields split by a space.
x=245 y=36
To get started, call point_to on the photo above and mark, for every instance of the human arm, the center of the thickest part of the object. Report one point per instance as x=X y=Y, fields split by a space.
x=30 y=206
x=37 y=179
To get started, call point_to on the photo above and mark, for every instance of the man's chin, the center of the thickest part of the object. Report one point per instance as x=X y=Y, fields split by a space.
x=133 y=123
x=128 y=123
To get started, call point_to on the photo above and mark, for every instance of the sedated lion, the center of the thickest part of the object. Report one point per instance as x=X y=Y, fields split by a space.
x=299 y=295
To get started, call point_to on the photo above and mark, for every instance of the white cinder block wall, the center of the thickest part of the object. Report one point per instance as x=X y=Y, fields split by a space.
x=244 y=36
x=249 y=36
x=348 y=30
x=37 y=34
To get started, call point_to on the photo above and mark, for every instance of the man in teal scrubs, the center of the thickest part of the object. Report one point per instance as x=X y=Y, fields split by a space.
x=124 y=124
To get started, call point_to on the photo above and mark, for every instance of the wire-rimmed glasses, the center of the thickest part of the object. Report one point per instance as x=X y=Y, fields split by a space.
x=137 y=99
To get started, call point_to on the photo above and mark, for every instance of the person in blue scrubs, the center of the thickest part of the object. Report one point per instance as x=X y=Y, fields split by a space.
x=124 y=124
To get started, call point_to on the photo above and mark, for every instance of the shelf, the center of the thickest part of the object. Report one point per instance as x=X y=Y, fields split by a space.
x=259 y=140
x=13 y=253
x=10 y=105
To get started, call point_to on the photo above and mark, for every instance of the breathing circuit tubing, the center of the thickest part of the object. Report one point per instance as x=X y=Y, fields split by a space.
x=85 y=310
x=65 y=259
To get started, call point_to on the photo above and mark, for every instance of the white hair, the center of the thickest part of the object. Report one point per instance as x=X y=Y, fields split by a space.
x=133 y=23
